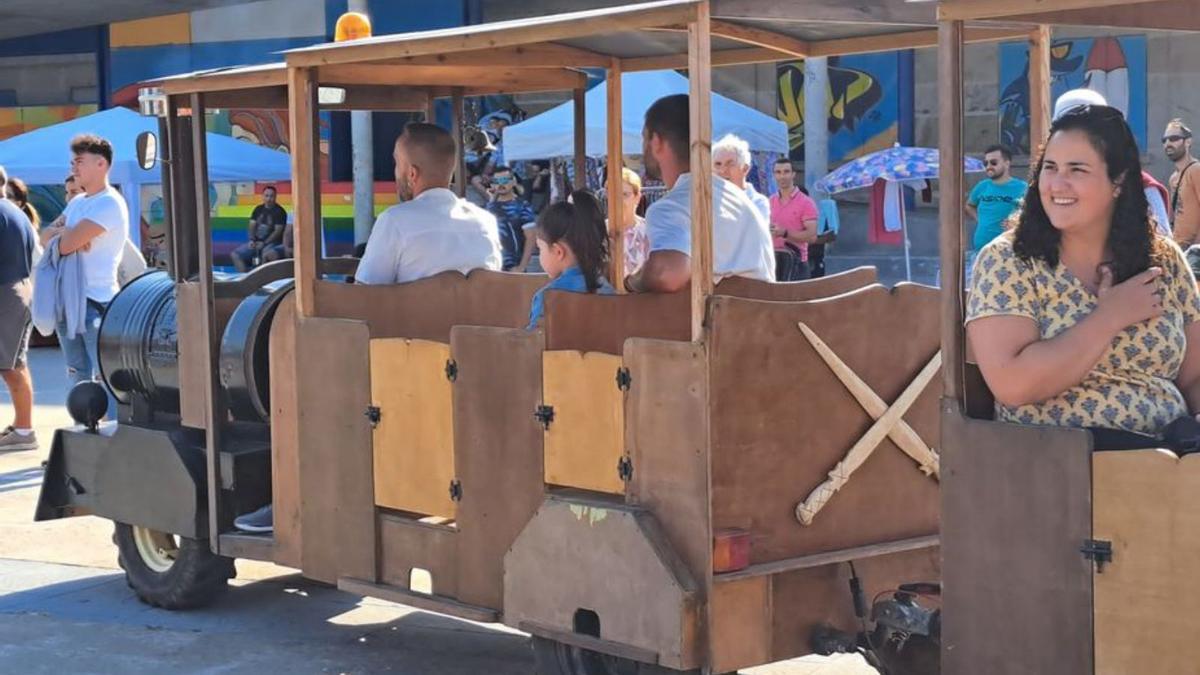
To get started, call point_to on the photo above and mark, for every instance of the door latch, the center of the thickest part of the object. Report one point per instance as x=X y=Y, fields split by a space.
x=455 y=490
x=1098 y=551
x=544 y=414
x=624 y=379
x=373 y=415
x=451 y=370
x=625 y=468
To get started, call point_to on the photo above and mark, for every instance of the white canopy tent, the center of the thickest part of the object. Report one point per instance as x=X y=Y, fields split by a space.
x=43 y=156
x=551 y=134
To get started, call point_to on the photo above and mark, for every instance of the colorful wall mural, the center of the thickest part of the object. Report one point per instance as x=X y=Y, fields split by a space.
x=16 y=121
x=862 y=101
x=1113 y=66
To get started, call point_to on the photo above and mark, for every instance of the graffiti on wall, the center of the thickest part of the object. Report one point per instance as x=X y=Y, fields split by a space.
x=1112 y=66
x=861 y=99
x=268 y=128
x=16 y=121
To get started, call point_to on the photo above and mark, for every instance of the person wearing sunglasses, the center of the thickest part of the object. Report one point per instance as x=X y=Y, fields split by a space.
x=512 y=214
x=1184 y=184
x=992 y=201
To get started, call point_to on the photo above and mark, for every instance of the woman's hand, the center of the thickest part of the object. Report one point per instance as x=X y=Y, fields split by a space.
x=1132 y=301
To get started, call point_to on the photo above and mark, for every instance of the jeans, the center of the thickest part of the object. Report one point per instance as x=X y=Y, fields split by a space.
x=82 y=353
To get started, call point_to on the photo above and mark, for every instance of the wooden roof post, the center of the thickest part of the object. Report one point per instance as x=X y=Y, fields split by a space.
x=456 y=130
x=306 y=182
x=213 y=413
x=1039 y=87
x=580 y=138
x=615 y=184
x=430 y=107
x=700 y=119
x=950 y=207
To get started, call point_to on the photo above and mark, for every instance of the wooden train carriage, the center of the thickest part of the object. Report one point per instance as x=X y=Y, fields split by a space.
x=1056 y=559
x=572 y=481
x=589 y=482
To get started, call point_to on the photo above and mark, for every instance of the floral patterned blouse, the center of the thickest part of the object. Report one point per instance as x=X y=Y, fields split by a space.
x=1132 y=387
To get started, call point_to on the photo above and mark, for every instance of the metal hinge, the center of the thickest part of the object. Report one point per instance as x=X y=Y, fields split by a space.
x=373 y=415
x=625 y=468
x=455 y=490
x=624 y=379
x=1098 y=551
x=544 y=415
x=451 y=370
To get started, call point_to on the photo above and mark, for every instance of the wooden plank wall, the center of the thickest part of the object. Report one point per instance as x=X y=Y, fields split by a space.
x=498 y=451
x=1145 y=503
x=1016 y=508
x=782 y=420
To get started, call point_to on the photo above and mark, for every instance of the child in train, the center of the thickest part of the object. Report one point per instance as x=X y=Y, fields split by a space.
x=572 y=243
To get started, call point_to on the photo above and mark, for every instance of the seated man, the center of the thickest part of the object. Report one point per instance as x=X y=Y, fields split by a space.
x=265 y=230
x=286 y=248
x=741 y=238
x=432 y=230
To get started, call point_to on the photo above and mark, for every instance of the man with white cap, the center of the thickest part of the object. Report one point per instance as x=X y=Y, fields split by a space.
x=1156 y=193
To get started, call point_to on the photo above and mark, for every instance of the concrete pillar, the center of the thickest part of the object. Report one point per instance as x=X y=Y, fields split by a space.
x=816 y=120
x=362 y=140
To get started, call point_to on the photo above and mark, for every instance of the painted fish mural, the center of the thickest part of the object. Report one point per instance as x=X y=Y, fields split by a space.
x=861 y=103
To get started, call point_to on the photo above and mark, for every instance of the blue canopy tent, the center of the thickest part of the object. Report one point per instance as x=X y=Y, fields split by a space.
x=551 y=134
x=43 y=156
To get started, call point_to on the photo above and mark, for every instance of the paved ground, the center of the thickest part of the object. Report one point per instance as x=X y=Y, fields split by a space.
x=64 y=606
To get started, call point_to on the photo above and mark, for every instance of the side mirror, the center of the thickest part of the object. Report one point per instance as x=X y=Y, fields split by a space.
x=147 y=150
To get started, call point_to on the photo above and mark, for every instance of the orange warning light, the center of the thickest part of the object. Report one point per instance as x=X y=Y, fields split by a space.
x=352 y=26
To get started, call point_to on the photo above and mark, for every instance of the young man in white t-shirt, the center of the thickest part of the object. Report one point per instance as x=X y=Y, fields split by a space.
x=95 y=226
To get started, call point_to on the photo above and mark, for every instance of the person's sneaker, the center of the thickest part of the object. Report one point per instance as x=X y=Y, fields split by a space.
x=261 y=520
x=11 y=441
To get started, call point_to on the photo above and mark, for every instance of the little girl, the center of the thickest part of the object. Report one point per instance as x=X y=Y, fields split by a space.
x=573 y=248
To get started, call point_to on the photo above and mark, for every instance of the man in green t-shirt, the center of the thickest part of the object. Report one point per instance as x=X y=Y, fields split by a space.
x=992 y=201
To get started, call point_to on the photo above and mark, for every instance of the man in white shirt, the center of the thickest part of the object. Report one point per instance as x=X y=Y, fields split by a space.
x=431 y=230
x=731 y=161
x=95 y=226
x=741 y=235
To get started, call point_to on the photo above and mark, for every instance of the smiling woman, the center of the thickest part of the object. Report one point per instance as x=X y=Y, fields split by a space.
x=1083 y=316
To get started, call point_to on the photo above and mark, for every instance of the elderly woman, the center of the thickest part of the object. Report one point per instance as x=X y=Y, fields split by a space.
x=1083 y=316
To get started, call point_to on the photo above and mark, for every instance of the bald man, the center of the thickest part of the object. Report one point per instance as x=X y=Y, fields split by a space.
x=432 y=230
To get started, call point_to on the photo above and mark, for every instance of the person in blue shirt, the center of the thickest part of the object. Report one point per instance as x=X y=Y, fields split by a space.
x=512 y=213
x=572 y=242
x=992 y=201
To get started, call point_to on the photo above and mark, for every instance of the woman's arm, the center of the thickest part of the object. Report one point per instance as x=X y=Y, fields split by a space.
x=1188 y=379
x=1021 y=368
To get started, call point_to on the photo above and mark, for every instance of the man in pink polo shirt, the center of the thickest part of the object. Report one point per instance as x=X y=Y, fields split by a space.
x=793 y=219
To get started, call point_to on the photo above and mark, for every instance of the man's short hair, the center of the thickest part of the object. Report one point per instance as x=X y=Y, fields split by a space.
x=431 y=149
x=1177 y=122
x=503 y=168
x=785 y=160
x=93 y=145
x=731 y=144
x=669 y=118
x=1002 y=149
x=272 y=188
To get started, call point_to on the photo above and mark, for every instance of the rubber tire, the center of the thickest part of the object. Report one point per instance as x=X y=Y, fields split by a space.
x=196 y=579
x=555 y=658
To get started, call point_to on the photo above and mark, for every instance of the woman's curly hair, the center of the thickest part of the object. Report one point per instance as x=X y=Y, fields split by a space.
x=1132 y=239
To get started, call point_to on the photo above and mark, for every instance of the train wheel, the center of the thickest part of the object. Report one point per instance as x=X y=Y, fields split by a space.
x=169 y=571
x=556 y=658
